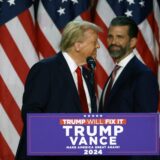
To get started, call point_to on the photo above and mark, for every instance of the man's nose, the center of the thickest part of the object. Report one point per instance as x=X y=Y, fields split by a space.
x=114 y=40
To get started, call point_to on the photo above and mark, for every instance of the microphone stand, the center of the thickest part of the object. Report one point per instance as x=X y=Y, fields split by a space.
x=91 y=65
x=92 y=78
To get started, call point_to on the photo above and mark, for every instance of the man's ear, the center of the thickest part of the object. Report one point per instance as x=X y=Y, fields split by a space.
x=133 y=42
x=77 y=46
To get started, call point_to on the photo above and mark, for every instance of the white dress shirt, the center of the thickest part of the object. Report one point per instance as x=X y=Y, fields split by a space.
x=73 y=66
x=122 y=65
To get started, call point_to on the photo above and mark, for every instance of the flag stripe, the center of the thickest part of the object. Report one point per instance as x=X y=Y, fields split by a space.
x=48 y=28
x=19 y=61
x=156 y=14
x=6 y=153
x=146 y=32
x=10 y=107
x=105 y=12
x=15 y=89
x=86 y=15
x=28 y=25
x=32 y=13
x=25 y=46
x=99 y=22
x=145 y=53
x=156 y=33
x=44 y=46
x=6 y=128
x=154 y=26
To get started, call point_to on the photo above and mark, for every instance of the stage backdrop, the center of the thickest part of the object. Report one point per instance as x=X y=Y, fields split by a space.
x=30 y=30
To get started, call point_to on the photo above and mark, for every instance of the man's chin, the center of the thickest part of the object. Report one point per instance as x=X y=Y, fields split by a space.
x=114 y=55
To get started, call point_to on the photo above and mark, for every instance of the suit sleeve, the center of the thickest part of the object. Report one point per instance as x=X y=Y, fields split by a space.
x=146 y=93
x=37 y=90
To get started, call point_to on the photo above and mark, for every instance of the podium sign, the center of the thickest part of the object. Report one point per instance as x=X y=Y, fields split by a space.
x=92 y=134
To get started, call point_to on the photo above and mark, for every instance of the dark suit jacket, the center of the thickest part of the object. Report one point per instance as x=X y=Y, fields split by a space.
x=50 y=88
x=136 y=90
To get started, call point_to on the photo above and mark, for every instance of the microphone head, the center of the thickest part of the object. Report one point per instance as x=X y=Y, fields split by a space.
x=91 y=63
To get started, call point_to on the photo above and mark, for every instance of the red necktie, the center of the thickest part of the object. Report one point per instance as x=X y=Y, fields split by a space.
x=81 y=91
x=113 y=75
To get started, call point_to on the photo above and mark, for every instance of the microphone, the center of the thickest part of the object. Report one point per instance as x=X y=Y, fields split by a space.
x=91 y=63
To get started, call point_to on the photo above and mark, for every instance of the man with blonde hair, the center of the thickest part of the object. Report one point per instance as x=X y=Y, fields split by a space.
x=54 y=85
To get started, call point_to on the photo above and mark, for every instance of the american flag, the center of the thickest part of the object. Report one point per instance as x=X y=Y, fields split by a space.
x=17 y=55
x=24 y=40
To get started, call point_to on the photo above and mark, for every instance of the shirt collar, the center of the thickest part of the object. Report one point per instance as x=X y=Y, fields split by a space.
x=125 y=61
x=71 y=63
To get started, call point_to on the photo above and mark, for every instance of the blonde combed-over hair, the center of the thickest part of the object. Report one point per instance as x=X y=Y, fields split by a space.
x=74 y=32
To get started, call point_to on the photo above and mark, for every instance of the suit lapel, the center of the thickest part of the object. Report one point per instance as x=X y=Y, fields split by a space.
x=68 y=80
x=123 y=78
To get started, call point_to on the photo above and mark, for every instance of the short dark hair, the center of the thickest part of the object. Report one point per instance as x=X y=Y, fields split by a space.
x=126 y=21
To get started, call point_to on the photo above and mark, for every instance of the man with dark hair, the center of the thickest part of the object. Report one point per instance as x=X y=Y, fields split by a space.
x=134 y=87
x=131 y=87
